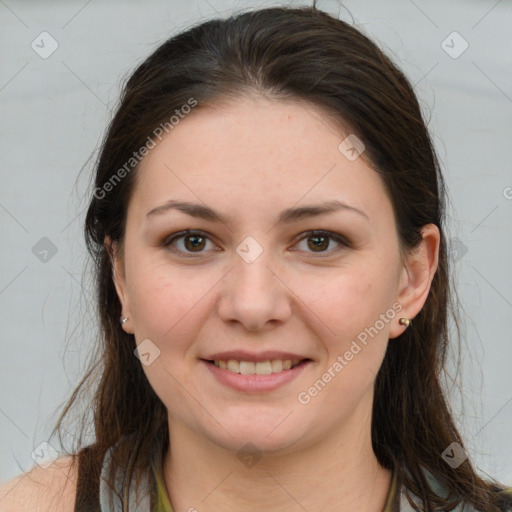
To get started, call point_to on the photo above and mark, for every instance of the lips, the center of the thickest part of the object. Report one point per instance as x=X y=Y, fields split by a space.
x=254 y=382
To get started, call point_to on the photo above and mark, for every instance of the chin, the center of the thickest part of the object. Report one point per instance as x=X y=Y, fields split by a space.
x=247 y=438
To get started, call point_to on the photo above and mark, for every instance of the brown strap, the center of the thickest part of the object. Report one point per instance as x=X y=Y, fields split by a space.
x=88 y=486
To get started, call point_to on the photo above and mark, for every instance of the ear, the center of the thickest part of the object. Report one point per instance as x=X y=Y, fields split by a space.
x=416 y=277
x=118 y=276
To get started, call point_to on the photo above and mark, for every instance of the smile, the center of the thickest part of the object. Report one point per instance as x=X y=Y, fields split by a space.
x=256 y=377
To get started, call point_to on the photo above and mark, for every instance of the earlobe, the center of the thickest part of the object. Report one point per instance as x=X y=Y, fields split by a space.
x=416 y=277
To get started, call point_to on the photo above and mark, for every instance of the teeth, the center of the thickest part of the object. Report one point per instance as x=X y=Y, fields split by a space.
x=247 y=368
x=259 y=368
x=233 y=366
x=263 y=368
x=277 y=365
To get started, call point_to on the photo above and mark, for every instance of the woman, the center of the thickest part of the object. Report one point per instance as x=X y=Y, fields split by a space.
x=273 y=285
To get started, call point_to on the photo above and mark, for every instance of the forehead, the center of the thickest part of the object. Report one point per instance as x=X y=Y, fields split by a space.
x=255 y=153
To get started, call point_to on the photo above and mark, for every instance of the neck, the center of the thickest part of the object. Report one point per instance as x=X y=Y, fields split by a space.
x=329 y=475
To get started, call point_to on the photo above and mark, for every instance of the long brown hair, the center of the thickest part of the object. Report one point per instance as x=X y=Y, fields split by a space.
x=305 y=54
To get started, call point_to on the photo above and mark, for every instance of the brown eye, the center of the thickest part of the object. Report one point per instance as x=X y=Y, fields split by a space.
x=193 y=242
x=319 y=241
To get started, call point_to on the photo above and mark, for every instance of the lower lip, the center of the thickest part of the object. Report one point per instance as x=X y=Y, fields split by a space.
x=255 y=383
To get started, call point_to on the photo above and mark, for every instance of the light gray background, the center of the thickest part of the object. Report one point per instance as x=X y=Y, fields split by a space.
x=54 y=113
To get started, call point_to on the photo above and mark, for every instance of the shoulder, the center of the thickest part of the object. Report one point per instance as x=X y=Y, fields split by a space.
x=50 y=489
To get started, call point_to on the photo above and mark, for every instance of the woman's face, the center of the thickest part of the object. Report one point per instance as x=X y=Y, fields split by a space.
x=256 y=286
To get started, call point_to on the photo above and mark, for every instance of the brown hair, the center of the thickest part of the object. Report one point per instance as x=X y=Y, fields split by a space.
x=302 y=54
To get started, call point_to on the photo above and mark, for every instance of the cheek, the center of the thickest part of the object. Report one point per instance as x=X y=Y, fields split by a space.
x=350 y=305
x=159 y=304
x=348 y=301
x=167 y=303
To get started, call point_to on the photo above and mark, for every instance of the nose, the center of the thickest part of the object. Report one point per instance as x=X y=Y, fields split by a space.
x=254 y=294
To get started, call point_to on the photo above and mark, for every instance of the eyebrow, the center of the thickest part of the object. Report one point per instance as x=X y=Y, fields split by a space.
x=286 y=216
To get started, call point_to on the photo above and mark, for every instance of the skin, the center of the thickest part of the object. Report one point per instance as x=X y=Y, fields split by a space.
x=250 y=159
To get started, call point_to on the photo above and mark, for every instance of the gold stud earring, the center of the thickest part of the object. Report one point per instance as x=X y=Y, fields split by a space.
x=405 y=321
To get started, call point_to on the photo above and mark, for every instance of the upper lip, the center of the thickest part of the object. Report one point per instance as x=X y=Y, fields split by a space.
x=243 y=355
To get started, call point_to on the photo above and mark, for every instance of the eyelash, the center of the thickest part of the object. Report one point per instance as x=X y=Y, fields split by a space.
x=308 y=234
